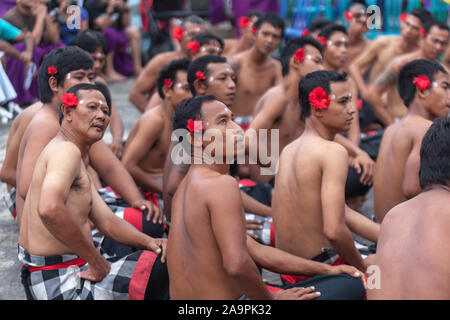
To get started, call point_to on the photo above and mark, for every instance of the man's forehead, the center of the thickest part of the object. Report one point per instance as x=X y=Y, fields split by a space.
x=438 y=33
x=357 y=8
x=213 y=109
x=194 y=27
x=441 y=76
x=267 y=26
x=339 y=36
x=311 y=50
x=91 y=94
x=181 y=76
x=339 y=88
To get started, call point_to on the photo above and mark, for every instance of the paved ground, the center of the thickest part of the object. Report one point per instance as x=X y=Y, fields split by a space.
x=10 y=286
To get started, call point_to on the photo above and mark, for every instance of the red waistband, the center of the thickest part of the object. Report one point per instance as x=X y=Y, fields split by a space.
x=75 y=262
x=294 y=278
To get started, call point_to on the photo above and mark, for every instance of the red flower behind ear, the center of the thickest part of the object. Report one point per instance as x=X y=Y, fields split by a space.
x=322 y=40
x=194 y=46
x=178 y=33
x=69 y=99
x=195 y=126
x=200 y=75
x=243 y=22
x=299 y=55
x=168 y=83
x=305 y=32
x=423 y=32
x=319 y=98
x=422 y=82
x=254 y=29
x=52 y=70
x=348 y=15
x=403 y=17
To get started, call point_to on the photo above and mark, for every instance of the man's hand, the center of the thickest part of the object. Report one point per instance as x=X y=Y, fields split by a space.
x=296 y=294
x=158 y=246
x=253 y=225
x=40 y=10
x=25 y=57
x=143 y=204
x=116 y=147
x=350 y=270
x=363 y=160
x=97 y=270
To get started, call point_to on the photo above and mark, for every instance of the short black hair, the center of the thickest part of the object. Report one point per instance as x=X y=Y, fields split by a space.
x=356 y=2
x=254 y=13
x=170 y=72
x=193 y=19
x=65 y=60
x=318 y=23
x=422 y=14
x=313 y=80
x=438 y=23
x=291 y=47
x=201 y=64
x=406 y=87
x=206 y=37
x=331 y=28
x=90 y=41
x=272 y=18
x=83 y=86
x=435 y=154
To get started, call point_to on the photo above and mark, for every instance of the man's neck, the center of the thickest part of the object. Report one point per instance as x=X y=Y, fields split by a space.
x=168 y=110
x=329 y=67
x=406 y=46
x=52 y=105
x=290 y=84
x=219 y=168
x=314 y=127
x=256 y=56
x=68 y=135
x=355 y=38
x=415 y=110
x=23 y=11
x=436 y=187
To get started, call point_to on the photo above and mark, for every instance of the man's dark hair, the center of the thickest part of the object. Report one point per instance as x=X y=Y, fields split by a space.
x=422 y=14
x=201 y=64
x=170 y=72
x=318 y=24
x=329 y=29
x=406 y=87
x=254 y=13
x=272 y=18
x=84 y=86
x=313 y=80
x=193 y=19
x=291 y=47
x=90 y=41
x=438 y=23
x=435 y=154
x=206 y=38
x=65 y=60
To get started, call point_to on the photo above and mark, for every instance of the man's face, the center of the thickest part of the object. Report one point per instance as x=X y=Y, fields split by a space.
x=99 y=60
x=438 y=101
x=410 y=28
x=90 y=118
x=268 y=38
x=248 y=31
x=26 y=5
x=76 y=77
x=339 y=115
x=212 y=47
x=221 y=82
x=358 y=23
x=190 y=30
x=180 y=89
x=312 y=62
x=218 y=118
x=336 y=51
x=435 y=43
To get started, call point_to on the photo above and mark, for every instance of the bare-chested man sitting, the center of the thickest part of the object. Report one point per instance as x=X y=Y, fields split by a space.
x=214 y=224
x=256 y=71
x=309 y=212
x=55 y=232
x=143 y=94
x=412 y=252
x=149 y=139
x=356 y=15
x=434 y=43
x=424 y=86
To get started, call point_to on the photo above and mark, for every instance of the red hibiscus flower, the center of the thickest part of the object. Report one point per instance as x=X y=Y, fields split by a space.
x=403 y=17
x=200 y=75
x=322 y=40
x=348 y=15
x=243 y=22
x=305 y=32
x=194 y=46
x=319 y=98
x=359 y=104
x=52 y=70
x=299 y=55
x=422 y=82
x=168 y=83
x=254 y=29
x=69 y=99
x=178 y=33
x=195 y=126
x=423 y=32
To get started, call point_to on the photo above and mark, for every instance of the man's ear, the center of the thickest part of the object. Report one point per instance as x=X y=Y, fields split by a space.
x=422 y=94
x=195 y=139
x=318 y=113
x=67 y=112
x=200 y=87
x=167 y=92
x=53 y=84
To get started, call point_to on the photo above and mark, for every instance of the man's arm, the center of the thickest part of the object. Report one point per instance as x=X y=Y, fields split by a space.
x=147 y=134
x=411 y=184
x=51 y=29
x=334 y=175
x=116 y=127
x=228 y=226
x=354 y=133
x=361 y=225
x=38 y=30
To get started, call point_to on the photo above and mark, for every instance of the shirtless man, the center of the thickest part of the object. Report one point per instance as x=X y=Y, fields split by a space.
x=357 y=17
x=309 y=212
x=72 y=66
x=143 y=90
x=59 y=205
x=149 y=139
x=434 y=43
x=397 y=175
x=256 y=71
x=414 y=238
x=446 y=59
x=245 y=42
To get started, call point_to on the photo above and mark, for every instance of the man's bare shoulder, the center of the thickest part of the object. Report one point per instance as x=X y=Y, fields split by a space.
x=400 y=61
x=274 y=98
x=317 y=147
x=43 y=124
x=152 y=117
x=160 y=60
